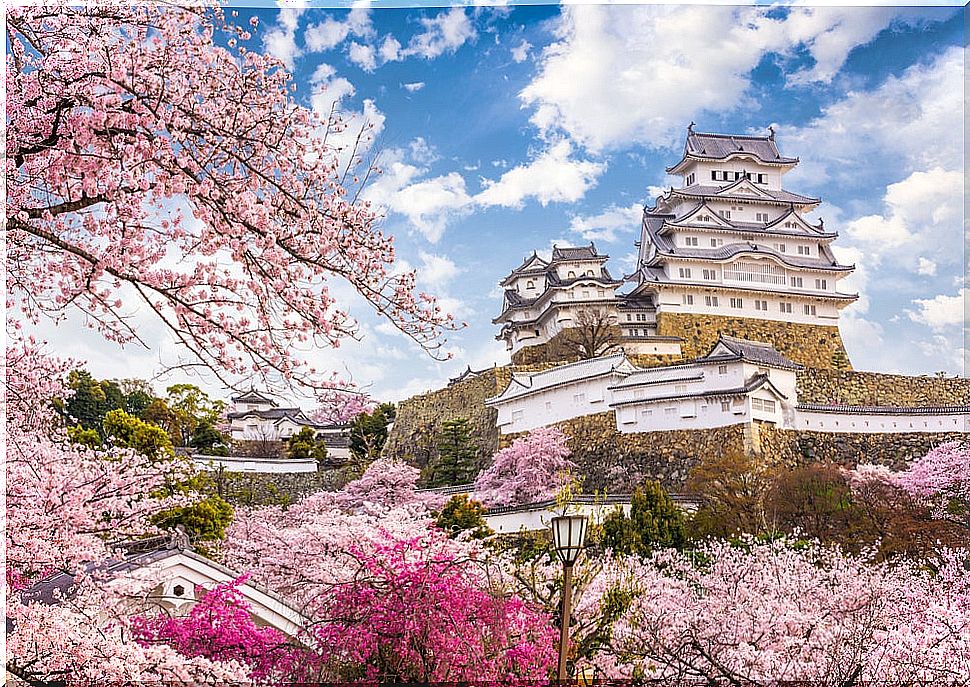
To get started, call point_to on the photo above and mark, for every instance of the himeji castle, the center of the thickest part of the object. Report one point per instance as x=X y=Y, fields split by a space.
x=729 y=251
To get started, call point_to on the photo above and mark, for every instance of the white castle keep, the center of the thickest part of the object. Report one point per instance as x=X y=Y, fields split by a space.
x=730 y=241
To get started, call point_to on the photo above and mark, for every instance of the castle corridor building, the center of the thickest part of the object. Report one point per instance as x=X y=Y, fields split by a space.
x=729 y=251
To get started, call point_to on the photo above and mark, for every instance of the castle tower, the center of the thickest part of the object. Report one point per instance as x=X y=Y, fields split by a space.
x=730 y=252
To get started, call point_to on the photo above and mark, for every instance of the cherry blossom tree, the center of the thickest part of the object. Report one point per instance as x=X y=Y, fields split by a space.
x=391 y=595
x=154 y=160
x=339 y=406
x=942 y=478
x=386 y=484
x=220 y=627
x=767 y=612
x=535 y=467
x=66 y=504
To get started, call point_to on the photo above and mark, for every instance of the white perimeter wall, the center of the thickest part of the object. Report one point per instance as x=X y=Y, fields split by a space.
x=880 y=424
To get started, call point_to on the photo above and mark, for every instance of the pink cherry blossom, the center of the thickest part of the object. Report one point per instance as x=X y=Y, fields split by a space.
x=532 y=469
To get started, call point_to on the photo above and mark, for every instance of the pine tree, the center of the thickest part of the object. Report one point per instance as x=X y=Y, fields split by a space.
x=655 y=522
x=457 y=455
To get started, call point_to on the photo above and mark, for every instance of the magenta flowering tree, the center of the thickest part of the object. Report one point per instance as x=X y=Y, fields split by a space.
x=942 y=478
x=534 y=468
x=391 y=596
x=154 y=161
x=219 y=627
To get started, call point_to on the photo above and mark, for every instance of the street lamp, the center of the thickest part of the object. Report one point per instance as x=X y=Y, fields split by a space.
x=568 y=534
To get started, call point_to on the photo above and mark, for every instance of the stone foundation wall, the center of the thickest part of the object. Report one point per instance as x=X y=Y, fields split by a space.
x=809 y=344
x=616 y=462
x=896 y=451
x=414 y=436
x=848 y=387
x=259 y=489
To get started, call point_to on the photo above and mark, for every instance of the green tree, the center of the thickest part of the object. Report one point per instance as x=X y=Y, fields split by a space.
x=655 y=522
x=462 y=514
x=368 y=432
x=127 y=431
x=208 y=440
x=139 y=395
x=457 y=461
x=86 y=406
x=305 y=444
x=190 y=406
x=85 y=437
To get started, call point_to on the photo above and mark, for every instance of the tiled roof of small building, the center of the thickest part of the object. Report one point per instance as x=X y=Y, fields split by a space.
x=752 y=351
x=884 y=410
x=253 y=396
x=524 y=384
x=756 y=382
x=576 y=253
x=271 y=414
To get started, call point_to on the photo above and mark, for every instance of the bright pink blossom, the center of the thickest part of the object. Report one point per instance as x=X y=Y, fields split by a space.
x=532 y=469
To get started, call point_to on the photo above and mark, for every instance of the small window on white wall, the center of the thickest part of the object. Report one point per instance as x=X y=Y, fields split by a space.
x=579 y=397
x=722 y=369
x=516 y=415
x=725 y=406
x=670 y=411
x=548 y=405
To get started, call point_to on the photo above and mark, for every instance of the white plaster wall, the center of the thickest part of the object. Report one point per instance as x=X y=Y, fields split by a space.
x=555 y=405
x=880 y=424
x=653 y=416
x=540 y=518
x=258 y=465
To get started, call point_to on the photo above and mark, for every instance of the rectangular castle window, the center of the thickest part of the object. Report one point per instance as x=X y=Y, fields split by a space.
x=737 y=303
x=684 y=272
x=688 y=299
x=809 y=309
x=796 y=281
x=784 y=307
x=760 y=305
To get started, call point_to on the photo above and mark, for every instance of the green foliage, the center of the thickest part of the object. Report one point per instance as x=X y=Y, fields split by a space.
x=209 y=441
x=189 y=406
x=85 y=437
x=203 y=521
x=139 y=395
x=305 y=444
x=457 y=461
x=368 y=432
x=126 y=431
x=462 y=514
x=655 y=522
x=92 y=400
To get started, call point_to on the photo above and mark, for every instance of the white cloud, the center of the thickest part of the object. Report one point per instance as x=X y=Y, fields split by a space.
x=329 y=95
x=636 y=74
x=421 y=151
x=923 y=213
x=606 y=225
x=430 y=203
x=919 y=126
x=520 y=53
x=331 y=32
x=390 y=50
x=413 y=87
x=363 y=56
x=552 y=176
x=280 y=40
x=940 y=312
x=436 y=270
x=445 y=32
x=926 y=268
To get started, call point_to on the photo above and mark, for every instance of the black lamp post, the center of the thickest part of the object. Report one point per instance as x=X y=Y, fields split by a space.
x=569 y=535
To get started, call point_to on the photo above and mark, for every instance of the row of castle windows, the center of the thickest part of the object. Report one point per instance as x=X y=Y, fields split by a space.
x=725 y=175
x=761 y=305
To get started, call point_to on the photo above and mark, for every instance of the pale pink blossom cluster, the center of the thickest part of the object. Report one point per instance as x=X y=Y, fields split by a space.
x=145 y=161
x=534 y=468
x=385 y=485
x=338 y=406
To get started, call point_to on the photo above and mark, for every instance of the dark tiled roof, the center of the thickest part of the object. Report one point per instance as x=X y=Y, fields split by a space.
x=665 y=247
x=756 y=382
x=775 y=195
x=884 y=410
x=253 y=396
x=753 y=352
x=713 y=146
x=271 y=414
x=576 y=253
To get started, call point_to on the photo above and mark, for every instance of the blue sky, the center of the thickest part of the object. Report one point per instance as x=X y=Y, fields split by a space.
x=506 y=129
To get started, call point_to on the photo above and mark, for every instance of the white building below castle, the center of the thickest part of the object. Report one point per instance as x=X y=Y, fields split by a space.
x=737 y=382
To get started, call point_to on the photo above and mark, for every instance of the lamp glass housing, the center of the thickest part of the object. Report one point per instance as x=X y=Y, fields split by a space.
x=569 y=536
